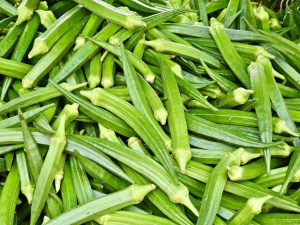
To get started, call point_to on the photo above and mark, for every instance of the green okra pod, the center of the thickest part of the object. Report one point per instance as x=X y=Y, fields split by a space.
x=134 y=194
x=176 y=119
x=44 y=42
x=229 y=53
x=251 y=209
x=46 y=177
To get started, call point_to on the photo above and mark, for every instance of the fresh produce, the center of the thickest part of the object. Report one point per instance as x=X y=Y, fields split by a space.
x=149 y=112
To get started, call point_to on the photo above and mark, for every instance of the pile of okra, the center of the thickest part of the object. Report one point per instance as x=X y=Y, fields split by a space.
x=149 y=112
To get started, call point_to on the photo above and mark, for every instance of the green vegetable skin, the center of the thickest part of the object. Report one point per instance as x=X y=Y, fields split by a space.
x=205 y=94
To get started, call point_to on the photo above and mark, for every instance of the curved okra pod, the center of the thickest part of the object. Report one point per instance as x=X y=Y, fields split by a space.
x=176 y=119
x=262 y=107
x=134 y=194
x=46 y=177
x=136 y=120
x=252 y=208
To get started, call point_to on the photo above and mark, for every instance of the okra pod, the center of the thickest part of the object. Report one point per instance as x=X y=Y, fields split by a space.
x=44 y=42
x=103 y=205
x=176 y=119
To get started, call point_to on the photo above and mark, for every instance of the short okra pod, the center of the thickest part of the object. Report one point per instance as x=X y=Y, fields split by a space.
x=252 y=208
x=237 y=97
x=44 y=42
x=229 y=53
x=26 y=10
x=26 y=185
x=176 y=118
x=46 y=177
x=101 y=206
x=103 y=9
x=215 y=186
x=108 y=71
